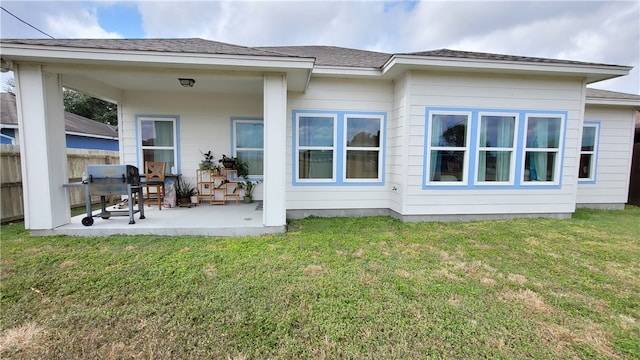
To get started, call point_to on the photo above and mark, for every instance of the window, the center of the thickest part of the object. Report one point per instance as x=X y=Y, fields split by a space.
x=338 y=148
x=158 y=140
x=248 y=140
x=542 y=149
x=363 y=155
x=466 y=148
x=588 y=151
x=316 y=147
x=496 y=149
x=448 y=147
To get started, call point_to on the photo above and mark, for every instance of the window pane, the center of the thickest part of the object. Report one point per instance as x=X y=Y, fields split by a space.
x=159 y=155
x=497 y=131
x=585 y=166
x=315 y=164
x=254 y=159
x=494 y=166
x=157 y=133
x=362 y=164
x=588 y=138
x=449 y=130
x=540 y=166
x=363 y=132
x=249 y=135
x=315 y=131
x=446 y=165
x=543 y=132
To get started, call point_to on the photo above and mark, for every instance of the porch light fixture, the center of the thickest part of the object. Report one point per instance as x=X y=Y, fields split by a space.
x=186 y=82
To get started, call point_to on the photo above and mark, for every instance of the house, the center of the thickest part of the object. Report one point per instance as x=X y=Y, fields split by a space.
x=433 y=135
x=81 y=133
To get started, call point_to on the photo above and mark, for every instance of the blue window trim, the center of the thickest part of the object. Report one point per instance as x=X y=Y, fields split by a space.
x=177 y=135
x=470 y=182
x=232 y=150
x=340 y=148
x=596 y=149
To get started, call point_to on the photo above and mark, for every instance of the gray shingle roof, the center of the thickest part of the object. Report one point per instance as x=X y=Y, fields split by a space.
x=334 y=56
x=189 y=45
x=8 y=109
x=606 y=94
x=73 y=123
x=324 y=55
x=458 y=54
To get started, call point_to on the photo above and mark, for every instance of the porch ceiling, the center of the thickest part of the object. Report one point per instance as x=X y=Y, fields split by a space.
x=167 y=80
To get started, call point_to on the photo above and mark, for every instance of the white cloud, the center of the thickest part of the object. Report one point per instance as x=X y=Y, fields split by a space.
x=82 y=23
x=590 y=31
x=60 y=19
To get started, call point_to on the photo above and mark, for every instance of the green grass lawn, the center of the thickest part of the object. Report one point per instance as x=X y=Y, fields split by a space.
x=354 y=288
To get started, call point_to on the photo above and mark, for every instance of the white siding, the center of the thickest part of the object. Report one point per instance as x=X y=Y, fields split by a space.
x=338 y=95
x=615 y=149
x=205 y=123
x=478 y=91
x=397 y=130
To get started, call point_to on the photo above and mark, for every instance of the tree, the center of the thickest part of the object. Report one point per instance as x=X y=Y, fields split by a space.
x=90 y=107
x=10 y=86
x=80 y=104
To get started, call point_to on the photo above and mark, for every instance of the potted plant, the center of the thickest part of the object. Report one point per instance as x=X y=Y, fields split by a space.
x=217 y=169
x=248 y=186
x=227 y=161
x=207 y=162
x=184 y=191
x=233 y=163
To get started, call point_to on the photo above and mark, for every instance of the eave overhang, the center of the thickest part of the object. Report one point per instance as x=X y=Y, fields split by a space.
x=297 y=69
x=612 y=102
x=398 y=64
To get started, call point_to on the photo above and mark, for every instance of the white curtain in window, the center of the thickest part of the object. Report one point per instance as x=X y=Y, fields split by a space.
x=539 y=159
x=315 y=132
x=435 y=158
x=499 y=130
x=505 y=140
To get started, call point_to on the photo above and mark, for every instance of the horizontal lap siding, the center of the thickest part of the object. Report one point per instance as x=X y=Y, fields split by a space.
x=491 y=92
x=614 y=156
x=340 y=95
x=396 y=145
x=205 y=123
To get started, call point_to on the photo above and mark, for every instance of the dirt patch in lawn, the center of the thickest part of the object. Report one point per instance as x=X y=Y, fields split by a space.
x=19 y=338
x=530 y=299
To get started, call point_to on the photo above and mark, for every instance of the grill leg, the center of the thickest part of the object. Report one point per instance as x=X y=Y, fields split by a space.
x=131 y=202
x=87 y=196
x=141 y=199
x=88 y=220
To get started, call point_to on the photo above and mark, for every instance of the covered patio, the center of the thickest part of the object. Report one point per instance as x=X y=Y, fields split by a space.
x=227 y=85
x=233 y=219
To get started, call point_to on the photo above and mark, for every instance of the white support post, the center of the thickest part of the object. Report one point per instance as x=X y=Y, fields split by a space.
x=275 y=139
x=42 y=147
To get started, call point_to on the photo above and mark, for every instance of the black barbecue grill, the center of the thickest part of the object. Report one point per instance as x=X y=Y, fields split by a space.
x=104 y=180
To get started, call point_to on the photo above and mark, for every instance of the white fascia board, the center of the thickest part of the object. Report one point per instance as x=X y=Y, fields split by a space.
x=593 y=73
x=91 y=135
x=62 y=54
x=613 y=102
x=346 y=71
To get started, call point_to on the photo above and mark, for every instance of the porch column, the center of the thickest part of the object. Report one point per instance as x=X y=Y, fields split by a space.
x=43 y=150
x=275 y=140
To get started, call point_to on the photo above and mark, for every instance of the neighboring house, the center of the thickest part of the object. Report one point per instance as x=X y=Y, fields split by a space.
x=434 y=135
x=81 y=133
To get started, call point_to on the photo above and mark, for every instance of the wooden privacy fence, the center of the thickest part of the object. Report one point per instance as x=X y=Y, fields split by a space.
x=634 y=184
x=11 y=199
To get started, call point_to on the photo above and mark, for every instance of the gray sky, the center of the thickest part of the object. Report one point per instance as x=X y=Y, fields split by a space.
x=592 y=31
